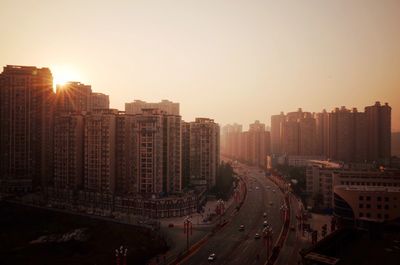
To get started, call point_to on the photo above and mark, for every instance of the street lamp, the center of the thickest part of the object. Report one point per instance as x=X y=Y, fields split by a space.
x=220 y=209
x=267 y=235
x=187 y=228
x=283 y=209
x=121 y=252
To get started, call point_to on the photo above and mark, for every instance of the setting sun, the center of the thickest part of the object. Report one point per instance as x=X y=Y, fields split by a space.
x=62 y=75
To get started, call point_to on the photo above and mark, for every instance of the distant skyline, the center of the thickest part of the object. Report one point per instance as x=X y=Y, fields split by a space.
x=233 y=61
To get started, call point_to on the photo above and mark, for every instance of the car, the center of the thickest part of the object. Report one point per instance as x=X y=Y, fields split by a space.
x=270 y=203
x=265 y=223
x=257 y=236
x=265 y=214
x=292 y=228
x=241 y=228
x=257 y=188
x=212 y=257
x=273 y=190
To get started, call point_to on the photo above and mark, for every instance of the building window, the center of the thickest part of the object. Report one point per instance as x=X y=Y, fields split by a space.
x=368 y=198
x=361 y=198
x=386 y=199
x=361 y=205
x=379 y=216
x=379 y=206
x=379 y=199
x=386 y=216
x=368 y=215
x=361 y=215
x=386 y=207
x=368 y=206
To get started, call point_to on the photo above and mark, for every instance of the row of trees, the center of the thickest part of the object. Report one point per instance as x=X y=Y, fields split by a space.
x=224 y=181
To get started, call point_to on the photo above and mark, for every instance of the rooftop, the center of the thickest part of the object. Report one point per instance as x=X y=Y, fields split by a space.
x=349 y=246
x=325 y=164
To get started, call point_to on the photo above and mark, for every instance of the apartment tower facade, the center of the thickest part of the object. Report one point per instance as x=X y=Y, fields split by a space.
x=26 y=105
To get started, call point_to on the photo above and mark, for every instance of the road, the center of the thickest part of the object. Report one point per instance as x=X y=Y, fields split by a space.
x=232 y=246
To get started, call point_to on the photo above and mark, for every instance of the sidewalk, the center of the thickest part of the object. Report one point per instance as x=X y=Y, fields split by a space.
x=197 y=218
x=304 y=241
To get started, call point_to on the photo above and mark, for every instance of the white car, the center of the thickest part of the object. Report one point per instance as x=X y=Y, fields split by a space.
x=265 y=223
x=265 y=214
x=257 y=236
x=241 y=228
x=212 y=257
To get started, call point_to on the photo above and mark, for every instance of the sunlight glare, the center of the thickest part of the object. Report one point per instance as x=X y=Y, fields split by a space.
x=62 y=75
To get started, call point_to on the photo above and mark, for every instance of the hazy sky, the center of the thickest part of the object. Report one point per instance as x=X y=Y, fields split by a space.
x=228 y=60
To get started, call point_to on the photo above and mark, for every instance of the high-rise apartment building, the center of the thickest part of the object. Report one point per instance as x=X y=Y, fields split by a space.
x=185 y=154
x=360 y=136
x=78 y=97
x=251 y=146
x=276 y=133
x=99 y=151
x=158 y=152
x=258 y=142
x=126 y=179
x=98 y=101
x=68 y=151
x=322 y=133
x=234 y=139
x=307 y=135
x=244 y=147
x=231 y=140
x=379 y=131
x=26 y=98
x=166 y=106
x=294 y=133
x=395 y=144
x=290 y=137
x=172 y=153
x=348 y=135
x=204 y=152
x=73 y=97
x=343 y=134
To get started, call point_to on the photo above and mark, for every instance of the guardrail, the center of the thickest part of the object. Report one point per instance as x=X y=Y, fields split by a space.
x=284 y=230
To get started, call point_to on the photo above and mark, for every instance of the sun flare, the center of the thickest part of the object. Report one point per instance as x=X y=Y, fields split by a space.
x=62 y=75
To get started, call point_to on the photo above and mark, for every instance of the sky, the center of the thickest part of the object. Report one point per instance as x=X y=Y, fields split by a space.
x=233 y=61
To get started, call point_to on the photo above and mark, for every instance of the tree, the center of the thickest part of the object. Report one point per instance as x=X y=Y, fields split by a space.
x=224 y=181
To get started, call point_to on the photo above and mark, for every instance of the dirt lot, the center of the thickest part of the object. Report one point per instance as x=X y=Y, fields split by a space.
x=66 y=239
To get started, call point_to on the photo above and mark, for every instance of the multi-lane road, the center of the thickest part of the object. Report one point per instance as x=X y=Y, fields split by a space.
x=232 y=246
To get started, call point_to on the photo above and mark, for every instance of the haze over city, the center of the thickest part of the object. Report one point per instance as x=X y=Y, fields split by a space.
x=187 y=132
x=235 y=61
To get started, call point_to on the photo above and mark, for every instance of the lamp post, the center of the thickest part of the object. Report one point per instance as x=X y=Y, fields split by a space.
x=267 y=235
x=220 y=209
x=283 y=209
x=121 y=252
x=188 y=230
